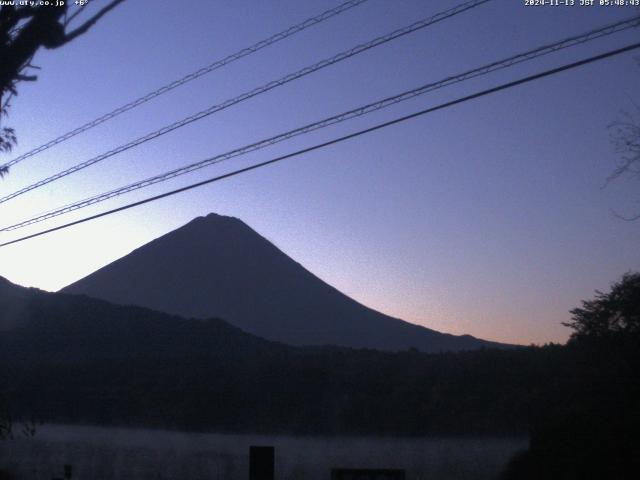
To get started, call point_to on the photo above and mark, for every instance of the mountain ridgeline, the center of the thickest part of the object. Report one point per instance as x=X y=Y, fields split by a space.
x=217 y=266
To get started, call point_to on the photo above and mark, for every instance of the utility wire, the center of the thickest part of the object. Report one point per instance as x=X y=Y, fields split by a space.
x=189 y=77
x=334 y=141
x=257 y=91
x=378 y=105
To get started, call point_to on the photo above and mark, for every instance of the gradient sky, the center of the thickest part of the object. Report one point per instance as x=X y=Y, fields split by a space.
x=488 y=218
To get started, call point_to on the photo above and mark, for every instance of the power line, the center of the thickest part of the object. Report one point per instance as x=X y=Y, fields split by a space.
x=191 y=76
x=384 y=103
x=379 y=126
x=257 y=91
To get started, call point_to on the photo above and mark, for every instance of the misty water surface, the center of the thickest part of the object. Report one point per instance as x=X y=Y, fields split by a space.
x=115 y=453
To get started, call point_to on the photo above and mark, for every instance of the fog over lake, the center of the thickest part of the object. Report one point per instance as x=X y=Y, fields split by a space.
x=115 y=453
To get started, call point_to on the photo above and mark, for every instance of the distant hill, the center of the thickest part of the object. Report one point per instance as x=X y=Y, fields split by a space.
x=43 y=326
x=11 y=304
x=76 y=359
x=217 y=266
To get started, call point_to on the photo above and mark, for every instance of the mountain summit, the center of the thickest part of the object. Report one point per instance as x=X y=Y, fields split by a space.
x=217 y=266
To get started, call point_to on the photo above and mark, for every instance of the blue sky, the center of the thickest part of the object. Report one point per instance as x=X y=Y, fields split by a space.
x=487 y=218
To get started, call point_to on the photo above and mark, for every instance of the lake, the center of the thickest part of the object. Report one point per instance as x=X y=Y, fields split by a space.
x=123 y=453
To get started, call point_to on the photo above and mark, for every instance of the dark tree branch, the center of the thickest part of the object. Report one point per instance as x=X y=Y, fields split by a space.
x=624 y=135
x=631 y=218
x=89 y=23
x=75 y=14
x=23 y=31
x=26 y=78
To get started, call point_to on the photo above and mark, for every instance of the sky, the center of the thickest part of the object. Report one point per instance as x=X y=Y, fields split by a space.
x=490 y=218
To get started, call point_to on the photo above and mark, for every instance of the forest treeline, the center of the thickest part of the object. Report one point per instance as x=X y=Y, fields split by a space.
x=74 y=359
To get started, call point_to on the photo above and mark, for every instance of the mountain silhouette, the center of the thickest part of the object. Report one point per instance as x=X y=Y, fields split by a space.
x=217 y=266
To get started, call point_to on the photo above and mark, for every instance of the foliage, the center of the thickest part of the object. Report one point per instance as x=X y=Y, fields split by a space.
x=24 y=29
x=591 y=425
x=613 y=314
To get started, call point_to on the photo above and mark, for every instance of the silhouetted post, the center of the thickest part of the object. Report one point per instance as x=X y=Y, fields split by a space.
x=367 y=474
x=261 y=463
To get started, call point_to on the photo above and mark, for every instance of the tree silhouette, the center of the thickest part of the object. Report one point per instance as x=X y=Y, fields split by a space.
x=609 y=315
x=23 y=31
x=590 y=423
